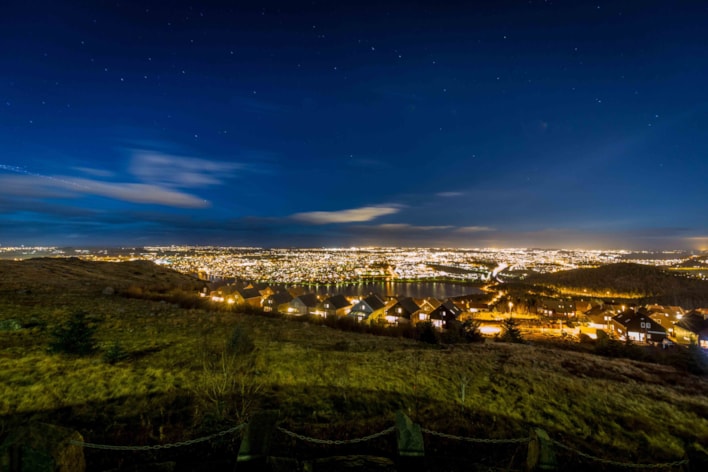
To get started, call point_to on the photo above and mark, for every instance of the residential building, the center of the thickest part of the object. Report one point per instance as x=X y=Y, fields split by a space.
x=638 y=327
x=693 y=327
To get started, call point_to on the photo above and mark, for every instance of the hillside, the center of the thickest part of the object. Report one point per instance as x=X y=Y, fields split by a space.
x=78 y=276
x=176 y=380
x=627 y=280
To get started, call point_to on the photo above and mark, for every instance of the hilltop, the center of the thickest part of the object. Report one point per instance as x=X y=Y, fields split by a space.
x=75 y=275
x=627 y=280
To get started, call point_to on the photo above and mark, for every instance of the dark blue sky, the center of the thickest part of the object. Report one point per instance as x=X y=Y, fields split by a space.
x=499 y=123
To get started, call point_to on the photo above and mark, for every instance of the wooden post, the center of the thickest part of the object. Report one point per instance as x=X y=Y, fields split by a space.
x=409 y=436
x=257 y=436
x=541 y=455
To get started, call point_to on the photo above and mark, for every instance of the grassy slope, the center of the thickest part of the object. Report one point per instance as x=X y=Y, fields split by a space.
x=333 y=384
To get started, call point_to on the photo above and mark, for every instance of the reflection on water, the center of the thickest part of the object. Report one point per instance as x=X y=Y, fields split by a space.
x=439 y=290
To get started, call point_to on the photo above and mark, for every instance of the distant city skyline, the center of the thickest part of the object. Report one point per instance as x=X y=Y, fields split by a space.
x=498 y=124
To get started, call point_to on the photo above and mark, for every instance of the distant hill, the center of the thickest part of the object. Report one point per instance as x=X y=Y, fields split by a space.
x=627 y=280
x=76 y=275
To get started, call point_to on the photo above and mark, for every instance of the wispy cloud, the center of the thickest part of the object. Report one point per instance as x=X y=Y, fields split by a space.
x=140 y=193
x=170 y=170
x=407 y=227
x=354 y=215
x=70 y=187
x=450 y=194
x=473 y=229
x=155 y=178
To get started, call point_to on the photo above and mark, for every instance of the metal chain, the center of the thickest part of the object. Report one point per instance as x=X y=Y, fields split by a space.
x=476 y=440
x=337 y=441
x=158 y=446
x=620 y=464
x=374 y=436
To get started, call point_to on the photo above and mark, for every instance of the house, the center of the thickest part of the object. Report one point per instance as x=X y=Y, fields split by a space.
x=556 y=307
x=584 y=306
x=247 y=296
x=665 y=316
x=599 y=318
x=224 y=293
x=477 y=306
x=637 y=326
x=427 y=305
x=693 y=327
x=277 y=303
x=303 y=305
x=402 y=311
x=336 y=305
x=262 y=288
x=444 y=315
x=368 y=308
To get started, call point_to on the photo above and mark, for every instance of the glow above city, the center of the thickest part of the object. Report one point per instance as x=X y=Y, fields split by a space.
x=292 y=124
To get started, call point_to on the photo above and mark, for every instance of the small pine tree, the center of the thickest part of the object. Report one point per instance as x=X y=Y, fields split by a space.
x=511 y=332
x=115 y=353
x=76 y=336
x=470 y=330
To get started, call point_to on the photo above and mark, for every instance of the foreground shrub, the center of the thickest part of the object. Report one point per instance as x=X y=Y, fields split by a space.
x=427 y=333
x=697 y=360
x=75 y=337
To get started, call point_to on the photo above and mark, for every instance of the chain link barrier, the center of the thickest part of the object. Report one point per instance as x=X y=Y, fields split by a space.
x=337 y=442
x=476 y=440
x=627 y=465
x=159 y=446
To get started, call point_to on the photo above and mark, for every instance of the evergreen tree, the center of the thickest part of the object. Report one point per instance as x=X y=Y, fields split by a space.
x=511 y=332
x=76 y=336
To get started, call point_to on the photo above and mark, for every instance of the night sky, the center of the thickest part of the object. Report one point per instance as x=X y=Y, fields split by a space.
x=473 y=124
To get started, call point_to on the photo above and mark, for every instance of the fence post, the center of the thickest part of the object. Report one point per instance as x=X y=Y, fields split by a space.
x=541 y=455
x=255 y=444
x=409 y=436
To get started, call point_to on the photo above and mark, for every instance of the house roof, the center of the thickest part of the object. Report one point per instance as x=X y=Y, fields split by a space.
x=432 y=302
x=450 y=305
x=374 y=301
x=408 y=304
x=247 y=293
x=279 y=298
x=693 y=322
x=257 y=285
x=444 y=312
x=310 y=300
x=624 y=317
x=338 y=301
